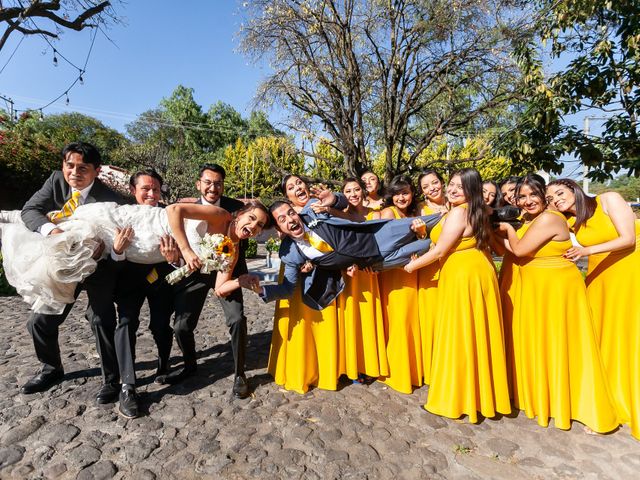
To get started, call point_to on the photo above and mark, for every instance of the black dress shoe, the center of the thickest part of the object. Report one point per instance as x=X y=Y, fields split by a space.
x=180 y=375
x=128 y=402
x=240 y=387
x=43 y=381
x=108 y=393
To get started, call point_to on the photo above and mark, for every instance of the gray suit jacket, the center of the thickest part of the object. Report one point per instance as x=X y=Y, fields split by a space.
x=54 y=194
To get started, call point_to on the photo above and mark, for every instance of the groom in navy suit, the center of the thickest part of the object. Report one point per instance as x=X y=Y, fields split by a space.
x=333 y=244
x=76 y=184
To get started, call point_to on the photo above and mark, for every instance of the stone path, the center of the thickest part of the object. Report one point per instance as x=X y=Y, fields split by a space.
x=196 y=430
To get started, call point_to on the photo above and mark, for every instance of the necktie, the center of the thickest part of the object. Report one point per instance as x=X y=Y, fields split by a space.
x=67 y=209
x=317 y=243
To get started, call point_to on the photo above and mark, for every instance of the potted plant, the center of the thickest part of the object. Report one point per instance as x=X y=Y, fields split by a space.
x=272 y=245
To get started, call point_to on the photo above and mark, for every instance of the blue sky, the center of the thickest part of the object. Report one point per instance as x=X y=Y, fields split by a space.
x=159 y=47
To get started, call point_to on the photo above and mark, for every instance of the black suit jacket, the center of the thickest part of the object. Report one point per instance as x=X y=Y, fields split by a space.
x=54 y=194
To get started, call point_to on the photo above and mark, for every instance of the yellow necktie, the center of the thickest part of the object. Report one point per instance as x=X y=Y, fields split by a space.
x=317 y=243
x=67 y=209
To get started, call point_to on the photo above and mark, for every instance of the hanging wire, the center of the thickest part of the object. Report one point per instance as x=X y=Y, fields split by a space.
x=12 y=54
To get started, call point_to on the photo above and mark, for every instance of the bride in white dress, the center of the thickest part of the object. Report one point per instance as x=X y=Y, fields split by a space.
x=46 y=270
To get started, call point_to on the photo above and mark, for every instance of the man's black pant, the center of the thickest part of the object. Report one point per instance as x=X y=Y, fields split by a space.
x=44 y=328
x=189 y=297
x=132 y=290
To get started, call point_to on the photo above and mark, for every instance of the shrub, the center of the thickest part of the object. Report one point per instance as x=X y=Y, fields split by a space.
x=252 y=248
x=273 y=245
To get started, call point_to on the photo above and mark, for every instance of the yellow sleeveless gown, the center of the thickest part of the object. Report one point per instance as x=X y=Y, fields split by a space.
x=427 y=307
x=468 y=373
x=304 y=345
x=362 y=346
x=613 y=289
x=399 y=295
x=558 y=368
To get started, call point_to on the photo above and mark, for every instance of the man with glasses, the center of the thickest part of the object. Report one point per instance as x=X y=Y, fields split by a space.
x=191 y=293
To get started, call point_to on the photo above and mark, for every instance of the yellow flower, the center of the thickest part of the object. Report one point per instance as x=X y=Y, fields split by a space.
x=226 y=247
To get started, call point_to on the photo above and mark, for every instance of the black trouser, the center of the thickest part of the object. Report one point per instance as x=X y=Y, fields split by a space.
x=115 y=336
x=190 y=295
x=44 y=328
x=132 y=291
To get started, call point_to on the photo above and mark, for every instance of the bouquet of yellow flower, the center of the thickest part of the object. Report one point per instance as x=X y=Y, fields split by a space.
x=217 y=252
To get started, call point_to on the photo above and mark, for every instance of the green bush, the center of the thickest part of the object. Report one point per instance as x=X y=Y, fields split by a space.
x=5 y=289
x=252 y=248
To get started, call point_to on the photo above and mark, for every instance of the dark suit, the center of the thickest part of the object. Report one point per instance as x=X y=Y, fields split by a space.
x=380 y=244
x=131 y=290
x=44 y=328
x=190 y=295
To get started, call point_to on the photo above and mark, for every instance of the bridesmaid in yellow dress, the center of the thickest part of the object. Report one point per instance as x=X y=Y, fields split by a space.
x=374 y=190
x=304 y=343
x=608 y=231
x=362 y=346
x=399 y=294
x=468 y=373
x=558 y=368
x=507 y=279
x=432 y=186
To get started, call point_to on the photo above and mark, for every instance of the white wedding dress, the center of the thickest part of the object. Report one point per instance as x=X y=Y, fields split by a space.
x=46 y=270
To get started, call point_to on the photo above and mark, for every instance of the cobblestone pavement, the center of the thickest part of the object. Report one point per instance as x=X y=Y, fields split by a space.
x=196 y=430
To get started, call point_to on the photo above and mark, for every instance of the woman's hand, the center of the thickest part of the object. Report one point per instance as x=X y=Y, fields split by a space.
x=504 y=228
x=122 y=240
x=191 y=259
x=326 y=196
x=352 y=270
x=419 y=228
x=576 y=253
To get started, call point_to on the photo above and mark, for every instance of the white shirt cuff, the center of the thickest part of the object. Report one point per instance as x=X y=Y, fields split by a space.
x=118 y=257
x=46 y=228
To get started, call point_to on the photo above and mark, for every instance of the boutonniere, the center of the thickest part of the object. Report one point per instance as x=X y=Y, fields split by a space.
x=313 y=223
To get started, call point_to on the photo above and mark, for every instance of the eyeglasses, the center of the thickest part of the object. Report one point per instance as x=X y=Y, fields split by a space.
x=209 y=183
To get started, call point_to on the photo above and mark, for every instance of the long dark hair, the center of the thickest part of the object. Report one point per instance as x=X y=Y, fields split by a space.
x=430 y=171
x=497 y=201
x=252 y=204
x=381 y=188
x=477 y=212
x=397 y=185
x=585 y=205
x=537 y=185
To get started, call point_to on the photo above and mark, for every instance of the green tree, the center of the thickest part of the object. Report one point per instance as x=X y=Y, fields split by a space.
x=393 y=75
x=628 y=187
x=30 y=149
x=599 y=41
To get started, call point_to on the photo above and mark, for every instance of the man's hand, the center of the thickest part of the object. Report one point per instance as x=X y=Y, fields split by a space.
x=169 y=249
x=97 y=253
x=122 y=240
x=56 y=231
x=306 y=267
x=250 y=281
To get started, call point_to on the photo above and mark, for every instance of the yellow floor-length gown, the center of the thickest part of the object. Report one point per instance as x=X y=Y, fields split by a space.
x=613 y=289
x=361 y=326
x=558 y=369
x=468 y=372
x=304 y=345
x=399 y=294
x=427 y=307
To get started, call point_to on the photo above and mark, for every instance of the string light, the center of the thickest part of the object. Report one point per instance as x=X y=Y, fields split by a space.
x=80 y=79
x=66 y=102
x=55 y=59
